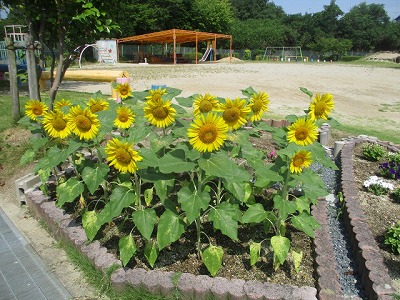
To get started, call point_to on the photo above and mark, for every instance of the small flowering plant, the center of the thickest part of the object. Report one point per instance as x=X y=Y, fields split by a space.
x=391 y=167
x=378 y=186
x=158 y=165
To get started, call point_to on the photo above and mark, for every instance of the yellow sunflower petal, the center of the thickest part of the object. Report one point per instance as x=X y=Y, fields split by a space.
x=55 y=124
x=205 y=104
x=160 y=113
x=299 y=161
x=234 y=113
x=83 y=122
x=207 y=132
x=122 y=156
x=302 y=132
x=35 y=109
x=258 y=105
x=96 y=105
x=125 y=117
x=321 y=106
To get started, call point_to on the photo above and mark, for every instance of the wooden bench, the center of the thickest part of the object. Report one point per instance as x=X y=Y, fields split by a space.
x=86 y=75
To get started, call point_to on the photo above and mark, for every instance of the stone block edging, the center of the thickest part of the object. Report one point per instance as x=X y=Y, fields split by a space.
x=374 y=274
x=190 y=286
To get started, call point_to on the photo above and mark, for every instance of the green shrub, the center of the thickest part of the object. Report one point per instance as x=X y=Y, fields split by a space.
x=350 y=58
x=373 y=152
x=392 y=238
x=192 y=55
x=247 y=54
x=396 y=195
x=259 y=57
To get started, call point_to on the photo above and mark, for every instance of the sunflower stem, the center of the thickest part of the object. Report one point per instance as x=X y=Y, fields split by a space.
x=198 y=232
x=137 y=191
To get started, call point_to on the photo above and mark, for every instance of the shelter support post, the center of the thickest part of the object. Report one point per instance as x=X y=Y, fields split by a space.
x=12 y=71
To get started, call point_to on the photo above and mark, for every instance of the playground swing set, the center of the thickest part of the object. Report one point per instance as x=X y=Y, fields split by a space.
x=284 y=54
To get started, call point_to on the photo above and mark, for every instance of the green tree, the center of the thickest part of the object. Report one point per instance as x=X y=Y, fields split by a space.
x=327 y=21
x=63 y=26
x=258 y=34
x=256 y=9
x=331 y=47
x=213 y=16
x=365 y=25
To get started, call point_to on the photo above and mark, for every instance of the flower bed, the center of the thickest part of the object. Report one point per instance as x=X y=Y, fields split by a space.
x=144 y=177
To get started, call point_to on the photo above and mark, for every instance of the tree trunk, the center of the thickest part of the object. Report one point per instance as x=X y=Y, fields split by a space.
x=32 y=69
x=12 y=71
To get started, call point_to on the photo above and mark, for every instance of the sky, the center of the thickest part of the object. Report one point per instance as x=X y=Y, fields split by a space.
x=392 y=7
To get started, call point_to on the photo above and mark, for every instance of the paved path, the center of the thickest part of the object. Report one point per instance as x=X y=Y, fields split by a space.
x=23 y=274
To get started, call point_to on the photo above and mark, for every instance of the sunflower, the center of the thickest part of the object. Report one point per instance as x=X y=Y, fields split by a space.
x=302 y=132
x=58 y=105
x=207 y=132
x=55 y=123
x=234 y=112
x=35 y=109
x=321 y=106
x=83 y=122
x=155 y=95
x=122 y=156
x=125 y=117
x=124 y=90
x=96 y=105
x=258 y=105
x=205 y=104
x=159 y=113
x=299 y=161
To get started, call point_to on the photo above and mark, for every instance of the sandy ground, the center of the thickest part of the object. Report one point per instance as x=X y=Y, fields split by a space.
x=364 y=96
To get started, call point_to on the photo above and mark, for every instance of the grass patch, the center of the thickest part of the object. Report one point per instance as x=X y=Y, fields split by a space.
x=387 y=135
x=371 y=63
x=390 y=107
x=102 y=282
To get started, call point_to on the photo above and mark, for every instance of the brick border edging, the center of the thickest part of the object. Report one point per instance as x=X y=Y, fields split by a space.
x=327 y=277
x=62 y=226
x=374 y=274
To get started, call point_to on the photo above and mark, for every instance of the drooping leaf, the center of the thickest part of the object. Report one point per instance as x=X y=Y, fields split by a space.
x=127 y=249
x=151 y=253
x=163 y=187
x=220 y=165
x=27 y=157
x=148 y=196
x=306 y=91
x=306 y=223
x=297 y=258
x=212 y=258
x=193 y=202
x=225 y=217
x=255 y=250
x=240 y=190
x=68 y=191
x=254 y=214
x=145 y=221
x=89 y=222
x=93 y=177
x=280 y=246
x=175 y=164
x=285 y=207
x=170 y=229
x=121 y=197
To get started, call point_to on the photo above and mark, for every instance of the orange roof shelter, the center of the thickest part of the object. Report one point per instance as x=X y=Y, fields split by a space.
x=179 y=36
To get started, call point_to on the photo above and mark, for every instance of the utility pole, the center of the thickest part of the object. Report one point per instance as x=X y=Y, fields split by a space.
x=12 y=71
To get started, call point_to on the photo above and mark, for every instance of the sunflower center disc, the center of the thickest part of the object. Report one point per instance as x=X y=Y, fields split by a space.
x=96 y=107
x=83 y=123
x=232 y=114
x=298 y=161
x=320 y=108
x=123 y=156
x=257 y=106
x=123 y=118
x=301 y=134
x=160 y=112
x=37 y=111
x=208 y=133
x=205 y=106
x=59 y=124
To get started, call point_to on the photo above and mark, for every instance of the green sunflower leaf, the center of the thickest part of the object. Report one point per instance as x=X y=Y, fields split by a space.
x=151 y=253
x=255 y=250
x=193 y=202
x=170 y=229
x=175 y=164
x=280 y=246
x=212 y=258
x=225 y=217
x=145 y=221
x=89 y=223
x=306 y=223
x=127 y=249
x=68 y=191
x=93 y=177
x=254 y=214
